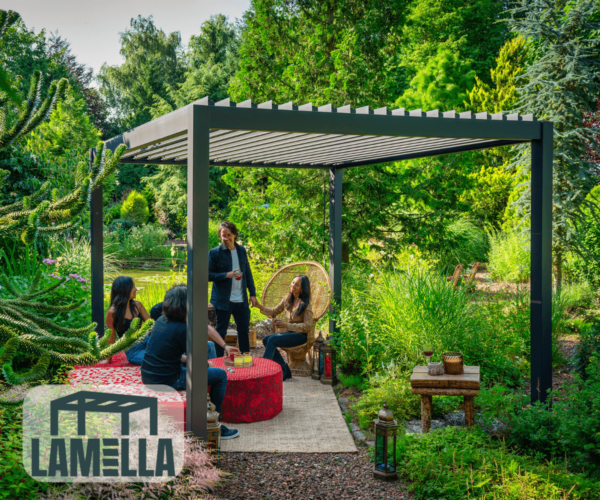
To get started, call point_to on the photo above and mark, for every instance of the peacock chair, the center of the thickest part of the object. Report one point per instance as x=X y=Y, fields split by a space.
x=279 y=286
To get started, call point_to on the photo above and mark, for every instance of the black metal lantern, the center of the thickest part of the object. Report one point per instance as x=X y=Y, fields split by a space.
x=328 y=367
x=213 y=435
x=386 y=429
x=316 y=357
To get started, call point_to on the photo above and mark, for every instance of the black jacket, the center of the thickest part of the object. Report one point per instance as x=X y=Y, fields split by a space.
x=219 y=264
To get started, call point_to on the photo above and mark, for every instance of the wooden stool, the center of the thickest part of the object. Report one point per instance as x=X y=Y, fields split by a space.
x=466 y=385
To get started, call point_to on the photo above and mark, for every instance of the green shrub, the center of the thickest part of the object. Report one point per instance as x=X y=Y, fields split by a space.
x=135 y=208
x=74 y=257
x=113 y=213
x=391 y=387
x=570 y=429
x=509 y=257
x=355 y=381
x=456 y=464
x=14 y=480
x=589 y=345
x=464 y=243
x=147 y=241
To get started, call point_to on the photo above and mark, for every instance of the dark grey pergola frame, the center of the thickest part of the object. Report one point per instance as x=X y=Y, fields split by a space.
x=205 y=134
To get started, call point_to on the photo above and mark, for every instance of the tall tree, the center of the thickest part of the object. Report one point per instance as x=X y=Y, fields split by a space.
x=153 y=61
x=469 y=28
x=443 y=83
x=212 y=61
x=334 y=51
x=561 y=86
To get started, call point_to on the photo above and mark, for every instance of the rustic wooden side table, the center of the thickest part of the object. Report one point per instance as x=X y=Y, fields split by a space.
x=466 y=385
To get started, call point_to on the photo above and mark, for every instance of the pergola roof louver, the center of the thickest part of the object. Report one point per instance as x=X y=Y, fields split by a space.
x=205 y=134
x=256 y=146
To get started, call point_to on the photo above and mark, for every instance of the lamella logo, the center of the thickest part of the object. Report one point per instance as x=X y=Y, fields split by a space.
x=96 y=435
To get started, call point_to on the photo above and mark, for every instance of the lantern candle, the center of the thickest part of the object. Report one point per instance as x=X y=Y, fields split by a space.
x=328 y=366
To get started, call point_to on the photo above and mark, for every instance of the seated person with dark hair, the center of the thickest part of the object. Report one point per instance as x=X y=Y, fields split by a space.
x=167 y=345
x=156 y=312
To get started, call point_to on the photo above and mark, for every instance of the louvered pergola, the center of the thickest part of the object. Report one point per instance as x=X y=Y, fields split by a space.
x=205 y=134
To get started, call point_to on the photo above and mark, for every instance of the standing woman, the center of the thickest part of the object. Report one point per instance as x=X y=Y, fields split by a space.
x=299 y=315
x=123 y=310
x=229 y=270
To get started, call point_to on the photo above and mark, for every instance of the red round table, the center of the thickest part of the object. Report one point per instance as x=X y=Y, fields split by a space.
x=253 y=394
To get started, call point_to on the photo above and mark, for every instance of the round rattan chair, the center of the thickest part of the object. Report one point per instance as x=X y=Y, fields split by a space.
x=279 y=286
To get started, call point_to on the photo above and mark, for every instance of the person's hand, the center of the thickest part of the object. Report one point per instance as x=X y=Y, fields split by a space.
x=210 y=365
x=280 y=323
x=255 y=303
x=229 y=350
x=232 y=274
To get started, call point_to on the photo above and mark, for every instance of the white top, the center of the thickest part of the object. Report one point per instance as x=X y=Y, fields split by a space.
x=236 y=285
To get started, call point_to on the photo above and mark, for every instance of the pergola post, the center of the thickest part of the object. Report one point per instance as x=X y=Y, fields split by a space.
x=197 y=245
x=335 y=243
x=541 y=263
x=97 y=256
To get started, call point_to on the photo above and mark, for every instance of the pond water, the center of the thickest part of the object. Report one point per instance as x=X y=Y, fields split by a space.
x=140 y=274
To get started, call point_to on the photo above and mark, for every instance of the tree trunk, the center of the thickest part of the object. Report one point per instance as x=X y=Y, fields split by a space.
x=558 y=272
x=345 y=253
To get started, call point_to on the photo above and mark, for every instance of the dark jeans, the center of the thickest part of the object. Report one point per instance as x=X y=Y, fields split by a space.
x=285 y=339
x=241 y=316
x=217 y=379
x=135 y=354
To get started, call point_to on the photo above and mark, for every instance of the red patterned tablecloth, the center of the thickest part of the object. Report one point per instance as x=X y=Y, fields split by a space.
x=253 y=394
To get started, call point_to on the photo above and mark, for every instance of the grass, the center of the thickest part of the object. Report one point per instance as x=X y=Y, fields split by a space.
x=509 y=257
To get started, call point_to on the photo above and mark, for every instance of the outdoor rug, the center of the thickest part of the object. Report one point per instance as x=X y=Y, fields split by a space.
x=310 y=422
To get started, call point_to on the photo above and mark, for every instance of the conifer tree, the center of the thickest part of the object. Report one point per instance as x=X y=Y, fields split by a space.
x=22 y=329
x=560 y=86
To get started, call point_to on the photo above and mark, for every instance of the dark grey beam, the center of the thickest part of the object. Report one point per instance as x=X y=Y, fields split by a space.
x=336 y=177
x=198 y=126
x=541 y=264
x=358 y=124
x=97 y=256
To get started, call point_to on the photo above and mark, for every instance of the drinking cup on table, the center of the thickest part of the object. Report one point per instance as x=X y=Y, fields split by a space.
x=247 y=359
x=238 y=361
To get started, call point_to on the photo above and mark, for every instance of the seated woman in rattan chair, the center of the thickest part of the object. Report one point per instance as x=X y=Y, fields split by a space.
x=299 y=315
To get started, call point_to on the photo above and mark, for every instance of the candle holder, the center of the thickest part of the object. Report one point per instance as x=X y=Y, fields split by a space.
x=329 y=364
x=316 y=358
x=435 y=369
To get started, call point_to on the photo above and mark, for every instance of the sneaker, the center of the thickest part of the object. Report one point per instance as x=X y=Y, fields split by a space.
x=228 y=433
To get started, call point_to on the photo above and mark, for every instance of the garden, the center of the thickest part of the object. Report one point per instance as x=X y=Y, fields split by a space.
x=406 y=226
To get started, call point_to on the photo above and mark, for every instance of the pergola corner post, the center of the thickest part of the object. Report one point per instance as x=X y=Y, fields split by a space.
x=97 y=256
x=198 y=121
x=335 y=243
x=541 y=263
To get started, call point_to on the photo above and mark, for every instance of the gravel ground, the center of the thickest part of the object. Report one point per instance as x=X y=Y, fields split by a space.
x=307 y=476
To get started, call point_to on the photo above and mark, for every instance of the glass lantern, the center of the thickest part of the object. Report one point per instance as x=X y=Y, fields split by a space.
x=213 y=438
x=328 y=374
x=316 y=358
x=386 y=429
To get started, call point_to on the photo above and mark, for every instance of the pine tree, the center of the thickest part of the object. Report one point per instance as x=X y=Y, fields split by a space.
x=22 y=329
x=560 y=86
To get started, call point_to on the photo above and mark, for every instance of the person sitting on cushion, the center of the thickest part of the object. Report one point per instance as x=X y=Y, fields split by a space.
x=123 y=310
x=299 y=315
x=156 y=312
x=167 y=345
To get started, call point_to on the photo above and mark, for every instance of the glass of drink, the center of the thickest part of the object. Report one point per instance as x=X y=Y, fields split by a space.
x=428 y=351
x=238 y=274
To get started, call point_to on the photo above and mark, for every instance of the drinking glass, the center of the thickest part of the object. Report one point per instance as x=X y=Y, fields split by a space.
x=428 y=351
